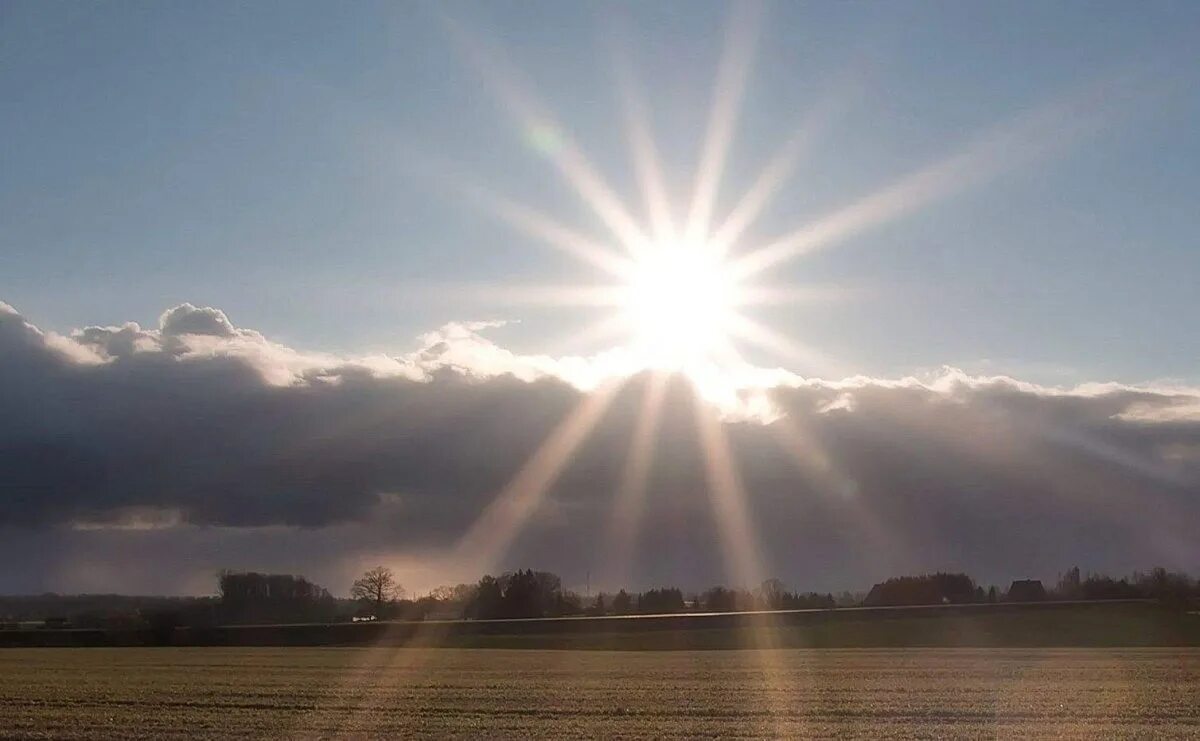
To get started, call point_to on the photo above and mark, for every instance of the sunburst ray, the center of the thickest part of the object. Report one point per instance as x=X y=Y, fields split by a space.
x=732 y=71
x=607 y=329
x=522 y=217
x=643 y=151
x=743 y=555
x=739 y=543
x=808 y=359
x=759 y=294
x=489 y=538
x=557 y=235
x=623 y=527
x=778 y=170
x=563 y=295
x=534 y=120
x=841 y=492
x=996 y=150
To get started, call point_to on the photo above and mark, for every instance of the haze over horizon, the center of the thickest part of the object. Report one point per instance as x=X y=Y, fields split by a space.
x=824 y=292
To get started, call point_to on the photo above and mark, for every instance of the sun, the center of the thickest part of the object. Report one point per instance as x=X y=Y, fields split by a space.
x=680 y=279
x=679 y=305
x=681 y=286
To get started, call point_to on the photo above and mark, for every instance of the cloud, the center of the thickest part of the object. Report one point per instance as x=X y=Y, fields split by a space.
x=186 y=319
x=200 y=444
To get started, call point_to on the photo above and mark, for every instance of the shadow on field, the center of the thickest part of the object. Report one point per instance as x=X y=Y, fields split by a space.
x=1055 y=624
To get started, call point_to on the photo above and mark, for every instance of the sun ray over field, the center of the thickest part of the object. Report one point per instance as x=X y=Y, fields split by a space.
x=681 y=294
x=742 y=552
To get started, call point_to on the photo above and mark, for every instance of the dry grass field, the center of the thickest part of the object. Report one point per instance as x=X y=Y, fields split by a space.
x=330 y=692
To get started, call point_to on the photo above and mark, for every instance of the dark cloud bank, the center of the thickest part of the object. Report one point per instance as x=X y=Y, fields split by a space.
x=143 y=460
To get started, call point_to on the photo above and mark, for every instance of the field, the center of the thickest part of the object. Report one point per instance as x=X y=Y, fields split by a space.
x=310 y=692
x=1039 y=625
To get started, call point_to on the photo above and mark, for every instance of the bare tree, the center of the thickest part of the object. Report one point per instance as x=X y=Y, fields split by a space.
x=377 y=586
x=772 y=594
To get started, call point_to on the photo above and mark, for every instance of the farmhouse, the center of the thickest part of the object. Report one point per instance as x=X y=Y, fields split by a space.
x=1026 y=590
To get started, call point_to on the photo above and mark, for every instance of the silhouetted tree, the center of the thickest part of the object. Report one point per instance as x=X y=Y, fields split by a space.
x=486 y=603
x=162 y=625
x=250 y=597
x=850 y=599
x=452 y=600
x=927 y=589
x=377 y=587
x=1160 y=584
x=550 y=597
x=808 y=601
x=666 y=599
x=718 y=599
x=1096 y=586
x=772 y=594
x=622 y=603
x=522 y=594
x=1070 y=585
x=569 y=603
x=1166 y=586
x=522 y=597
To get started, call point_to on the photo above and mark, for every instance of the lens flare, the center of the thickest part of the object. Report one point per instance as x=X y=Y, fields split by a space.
x=677 y=294
x=679 y=303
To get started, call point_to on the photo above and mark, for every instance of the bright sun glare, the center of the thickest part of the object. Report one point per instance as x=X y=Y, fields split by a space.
x=683 y=281
x=678 y=304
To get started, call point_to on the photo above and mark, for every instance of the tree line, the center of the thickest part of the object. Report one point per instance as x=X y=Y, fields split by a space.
x=945 y=588
x=251 y=597
x=540 y=594
x=263 y=598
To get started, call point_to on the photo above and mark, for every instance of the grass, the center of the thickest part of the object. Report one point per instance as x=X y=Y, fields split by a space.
x=980 y=626
x=1123 y=625
x=322 y=692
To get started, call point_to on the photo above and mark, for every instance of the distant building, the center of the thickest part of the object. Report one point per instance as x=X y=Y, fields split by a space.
x=1027 y=590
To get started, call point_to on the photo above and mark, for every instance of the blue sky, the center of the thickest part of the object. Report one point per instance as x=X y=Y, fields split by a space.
x=1005 y=189
x=258 y=158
